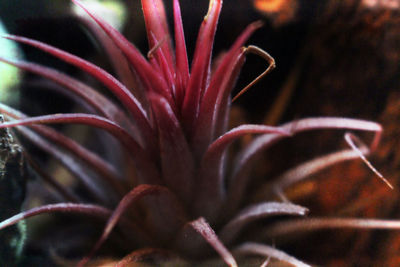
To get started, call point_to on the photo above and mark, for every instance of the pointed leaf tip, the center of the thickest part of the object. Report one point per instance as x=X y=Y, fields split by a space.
x=204 y=229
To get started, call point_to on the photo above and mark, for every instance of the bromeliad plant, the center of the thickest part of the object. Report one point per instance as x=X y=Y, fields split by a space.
x=182 y=195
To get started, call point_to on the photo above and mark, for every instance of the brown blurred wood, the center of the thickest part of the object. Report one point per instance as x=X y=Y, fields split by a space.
x=352 y=69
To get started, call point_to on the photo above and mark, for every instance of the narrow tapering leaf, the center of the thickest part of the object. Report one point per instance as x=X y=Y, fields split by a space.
x=308 y=168
x=255 y=212
x=86 y=209
x=120 y=64
x=157 y=30
x=182 y=64
x=244 y=160
x=315 y=224
x=152 y=80
x=80 y=118
x=176 y=158
x=204 y=229
x=66 y=193
x=99 y=193
x=210 y=183
x=120 y=91
x=222 y=82
x=91 y=159
x=96 y=100
x=146 y=168
x=134 y=195
x=200 y=69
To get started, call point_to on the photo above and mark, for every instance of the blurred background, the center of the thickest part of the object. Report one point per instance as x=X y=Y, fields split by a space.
x=334 y=58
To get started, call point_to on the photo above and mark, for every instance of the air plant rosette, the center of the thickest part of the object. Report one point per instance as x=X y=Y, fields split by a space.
x=180 y=194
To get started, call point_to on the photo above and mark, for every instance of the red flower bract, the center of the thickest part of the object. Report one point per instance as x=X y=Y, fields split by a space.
x=172 y=123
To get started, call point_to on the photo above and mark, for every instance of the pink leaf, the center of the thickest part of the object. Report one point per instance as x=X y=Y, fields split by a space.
x=205 y=230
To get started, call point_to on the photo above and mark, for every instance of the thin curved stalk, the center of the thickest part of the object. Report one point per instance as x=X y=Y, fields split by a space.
x=271 y=61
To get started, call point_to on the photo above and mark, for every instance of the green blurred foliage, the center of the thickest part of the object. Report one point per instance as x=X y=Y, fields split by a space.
x=9 y=75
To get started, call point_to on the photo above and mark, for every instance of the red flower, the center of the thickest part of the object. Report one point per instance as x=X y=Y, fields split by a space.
x=172 y=122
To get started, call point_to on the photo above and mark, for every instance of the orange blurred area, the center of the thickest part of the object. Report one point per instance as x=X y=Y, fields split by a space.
x=270 y=5
x=279 y=11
